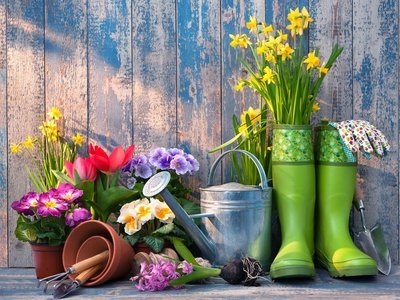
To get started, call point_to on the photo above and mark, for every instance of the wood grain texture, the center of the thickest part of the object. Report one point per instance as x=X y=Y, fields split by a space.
x=3 y=138
x=234 y=15
x=66 y=63
x=110 y=73
x=25 y=102
x=333 y=25
x=199 y=80
x=376 y=99
x=154 y=74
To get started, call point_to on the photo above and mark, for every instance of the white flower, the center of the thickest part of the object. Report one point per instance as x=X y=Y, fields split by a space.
x=130 y=220
x=143 y=211
x=161 y=211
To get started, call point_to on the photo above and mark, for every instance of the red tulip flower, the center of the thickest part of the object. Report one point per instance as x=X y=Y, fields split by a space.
x=109 y=164
x=86 y=170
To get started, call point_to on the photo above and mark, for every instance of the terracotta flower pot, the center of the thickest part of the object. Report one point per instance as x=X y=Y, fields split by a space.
x=47 y=259
x=143 y=247
x=91 y=247
x=121 y=256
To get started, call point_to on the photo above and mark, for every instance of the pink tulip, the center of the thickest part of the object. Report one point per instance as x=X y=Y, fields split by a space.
x=86 y=170
x=109 y=164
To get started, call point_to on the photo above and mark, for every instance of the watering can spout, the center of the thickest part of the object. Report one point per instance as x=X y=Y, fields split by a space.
x=158 y=185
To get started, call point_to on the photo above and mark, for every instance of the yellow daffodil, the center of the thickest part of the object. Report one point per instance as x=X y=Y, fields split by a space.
x=268 y=76
x=282 y=35
x=29 y=143
x=161 y=211
x=323 y=70
x=49 y=129
x=306 y=17
x=262 y=48
x=273 y=41
x=244 y=41
x=270 y=57
x=294 y=15
x=312 y=61
x=78 y=139
x=285 y=51
x=235 y=40
x=267 y=29
x=15 y=148
x=254 y=115
x=252 y=24
x=296 y=20
x=315 y=107
x=240 y=85
x=54 y=113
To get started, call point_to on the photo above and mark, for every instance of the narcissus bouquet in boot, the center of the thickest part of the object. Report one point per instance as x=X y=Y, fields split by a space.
x=46 y=218
x=48 y=152
x=287 y=78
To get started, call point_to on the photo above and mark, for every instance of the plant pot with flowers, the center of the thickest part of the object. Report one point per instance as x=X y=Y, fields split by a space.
x=47 y=214
x=288 y=80
x=149 y=224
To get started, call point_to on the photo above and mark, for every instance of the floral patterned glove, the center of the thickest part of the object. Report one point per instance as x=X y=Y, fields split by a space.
x=359 y=135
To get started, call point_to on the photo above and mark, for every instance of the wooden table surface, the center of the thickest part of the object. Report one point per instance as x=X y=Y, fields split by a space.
x=19 y=283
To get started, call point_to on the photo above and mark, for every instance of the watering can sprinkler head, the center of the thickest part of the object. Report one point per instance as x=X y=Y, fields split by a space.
x=157 y=185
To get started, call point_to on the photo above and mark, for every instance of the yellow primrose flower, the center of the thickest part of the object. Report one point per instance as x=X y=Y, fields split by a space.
x=161 y=211
x=244 y=41
x=312 y=61
x=132 y=224
x=268 y=76
x=143 y=212
x=54 y=113
x=267 y=29
x=240 y=85
x=285 y=51
x=29 y=143
x=252 y=24
x=315 y=107
x=78 y=139
x=15 y=148
x=306 y=17
x=235 y=40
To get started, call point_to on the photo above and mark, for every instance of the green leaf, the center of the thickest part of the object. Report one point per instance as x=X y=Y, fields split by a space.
x=132 y=239
x=114 y=179
x=112 y=197
x=197 y=274
x=25 y=232
x=77 y=177
x=183 y=251
x=164 y=230
x=62 y=177
x=155 y=243
x=88 y=190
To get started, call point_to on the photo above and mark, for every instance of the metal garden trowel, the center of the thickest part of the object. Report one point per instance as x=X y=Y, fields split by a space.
x=372 y=242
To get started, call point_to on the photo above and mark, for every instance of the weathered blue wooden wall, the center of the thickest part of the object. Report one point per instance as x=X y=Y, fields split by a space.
x=158 y=73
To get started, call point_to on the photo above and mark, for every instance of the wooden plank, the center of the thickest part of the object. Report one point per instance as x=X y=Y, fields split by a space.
x=110 y=73
x=3 y=139
x=25 y=107
x=66 y=63
x=234 y=15
x=376 y=99
x=333 y=25
x=154 y=74
x=199 y=79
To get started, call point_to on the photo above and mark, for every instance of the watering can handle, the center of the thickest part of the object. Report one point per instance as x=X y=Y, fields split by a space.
x=264 y=181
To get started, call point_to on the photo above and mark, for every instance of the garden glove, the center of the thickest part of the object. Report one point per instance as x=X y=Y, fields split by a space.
x=359 y=135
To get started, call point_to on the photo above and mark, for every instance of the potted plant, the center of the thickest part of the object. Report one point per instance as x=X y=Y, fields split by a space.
x=45 y=220
x=149 y=223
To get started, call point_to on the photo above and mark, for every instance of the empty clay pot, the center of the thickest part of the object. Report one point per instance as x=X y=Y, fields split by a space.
x=121 y=257
x=91 y=247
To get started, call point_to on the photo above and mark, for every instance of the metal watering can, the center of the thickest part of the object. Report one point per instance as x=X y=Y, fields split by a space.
x=236 y=218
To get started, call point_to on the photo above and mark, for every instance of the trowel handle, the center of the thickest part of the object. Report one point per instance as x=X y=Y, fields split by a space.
x=87 y=274
x=359 y=204
x=264 y=181
x=90 y=262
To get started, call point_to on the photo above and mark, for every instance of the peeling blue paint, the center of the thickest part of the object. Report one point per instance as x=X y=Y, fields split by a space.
x=364 y=77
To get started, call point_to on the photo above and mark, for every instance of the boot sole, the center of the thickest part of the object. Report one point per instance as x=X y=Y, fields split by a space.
x=292 y=272
x=350 y=271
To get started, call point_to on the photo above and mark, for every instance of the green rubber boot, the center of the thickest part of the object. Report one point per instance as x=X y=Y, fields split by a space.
x=336 y=181
x=293 y=174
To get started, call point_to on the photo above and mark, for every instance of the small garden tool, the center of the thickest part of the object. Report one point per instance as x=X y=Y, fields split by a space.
x=372 y=242
x=67 y=286
x=76 y=268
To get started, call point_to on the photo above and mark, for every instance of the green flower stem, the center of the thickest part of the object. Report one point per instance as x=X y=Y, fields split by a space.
x=197 y=274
